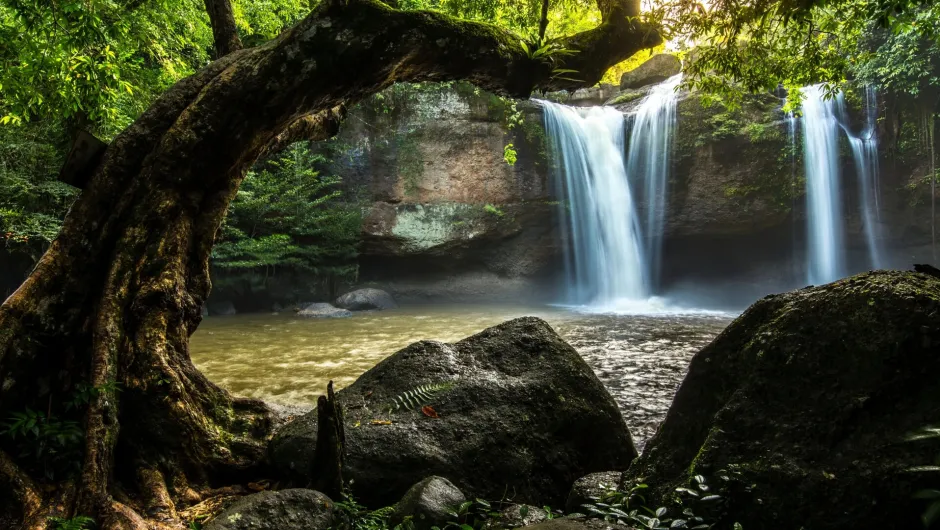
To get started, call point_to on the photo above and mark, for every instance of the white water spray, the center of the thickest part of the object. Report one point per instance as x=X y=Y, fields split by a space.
x=648 y=164
x=826 y=259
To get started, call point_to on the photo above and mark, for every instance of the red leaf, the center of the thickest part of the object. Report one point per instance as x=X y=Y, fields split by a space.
x=429 y=411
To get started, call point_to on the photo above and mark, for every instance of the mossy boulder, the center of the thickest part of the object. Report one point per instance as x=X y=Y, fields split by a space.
x=804 y=403
x=657 y=69
x=511 y=410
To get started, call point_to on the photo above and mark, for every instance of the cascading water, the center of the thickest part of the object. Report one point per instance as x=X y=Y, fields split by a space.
x=613 y=259
x=648 y=162
x=865 y=153
x=826 y=260
x=605 y=261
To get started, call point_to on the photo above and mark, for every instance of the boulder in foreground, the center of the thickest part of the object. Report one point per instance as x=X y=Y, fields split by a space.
x=513 y=410
x=804 y=403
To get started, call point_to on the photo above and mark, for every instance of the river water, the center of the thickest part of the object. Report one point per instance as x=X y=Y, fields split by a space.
x=289 y=360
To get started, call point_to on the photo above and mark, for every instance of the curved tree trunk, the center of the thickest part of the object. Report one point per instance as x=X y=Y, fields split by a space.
x=114 y=300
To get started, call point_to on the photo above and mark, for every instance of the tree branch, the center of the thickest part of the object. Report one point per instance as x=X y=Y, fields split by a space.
x=311 y=127
x=224 y=31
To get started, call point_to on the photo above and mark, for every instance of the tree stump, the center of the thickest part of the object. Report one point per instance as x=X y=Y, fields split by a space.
x=331 y=446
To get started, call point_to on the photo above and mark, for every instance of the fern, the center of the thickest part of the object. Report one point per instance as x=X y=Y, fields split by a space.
x=79 y=522
x=417 y=396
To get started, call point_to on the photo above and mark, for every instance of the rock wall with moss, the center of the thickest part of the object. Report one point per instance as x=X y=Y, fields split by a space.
x=448 y=209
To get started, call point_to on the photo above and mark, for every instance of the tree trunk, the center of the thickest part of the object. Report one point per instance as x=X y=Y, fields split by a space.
x=224 y=31
x=112 y=303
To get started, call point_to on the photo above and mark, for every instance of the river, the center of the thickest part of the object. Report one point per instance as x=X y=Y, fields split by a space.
x=287 y=359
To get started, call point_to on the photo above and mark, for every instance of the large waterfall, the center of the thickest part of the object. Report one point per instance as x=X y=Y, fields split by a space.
x=822 y=120
x=613 y=255
x=605 y=263
x=648 y=162
x=826 y=259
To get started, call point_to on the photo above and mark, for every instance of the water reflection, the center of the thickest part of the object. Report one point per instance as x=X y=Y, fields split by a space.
x=288 y=360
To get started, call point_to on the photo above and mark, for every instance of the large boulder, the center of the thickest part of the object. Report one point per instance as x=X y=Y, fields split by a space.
x=429 y=503
x=656 y=69
x=277 y=510
x=803 y=404
x=511 y=409
x=365 y=299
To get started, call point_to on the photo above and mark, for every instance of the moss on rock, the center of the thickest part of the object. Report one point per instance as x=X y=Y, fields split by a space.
x=804 y=402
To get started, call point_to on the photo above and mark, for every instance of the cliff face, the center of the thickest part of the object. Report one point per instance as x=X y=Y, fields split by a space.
x=449 y=216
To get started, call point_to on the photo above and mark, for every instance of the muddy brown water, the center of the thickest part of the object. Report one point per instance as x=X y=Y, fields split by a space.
x=288 y=360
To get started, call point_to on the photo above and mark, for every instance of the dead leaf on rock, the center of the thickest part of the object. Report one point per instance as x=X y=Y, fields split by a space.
x=429 y=411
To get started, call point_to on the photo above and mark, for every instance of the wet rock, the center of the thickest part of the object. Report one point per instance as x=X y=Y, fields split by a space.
x=567 y=523
x=323 y=310
x=365 y=299
x=657 y=69
x=588 y=488
x=277 y=510
x=804 y=403
x=519 y=515
x=429 y=503
x=221 y=308
x=513 y=408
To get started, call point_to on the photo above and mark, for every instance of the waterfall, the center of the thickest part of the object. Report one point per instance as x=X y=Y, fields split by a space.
x=604 y=261
x=648 y=162
x=865 y=154
x=612 y=257
x=826 y=260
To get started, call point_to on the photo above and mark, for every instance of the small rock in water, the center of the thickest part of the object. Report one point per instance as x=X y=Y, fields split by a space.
x=323 y=310
x=366 y=299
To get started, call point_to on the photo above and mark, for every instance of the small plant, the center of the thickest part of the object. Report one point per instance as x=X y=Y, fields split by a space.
x=350 y=515
x=418 y=396
x=489 y=208
x=932 y=512
x=629 y=508
x=54 y=443
x=509 y=154
x=79 y=522
x=472 y=515
x=84 y=393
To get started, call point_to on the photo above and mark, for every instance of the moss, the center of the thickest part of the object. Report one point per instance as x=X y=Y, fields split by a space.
x=626 y=97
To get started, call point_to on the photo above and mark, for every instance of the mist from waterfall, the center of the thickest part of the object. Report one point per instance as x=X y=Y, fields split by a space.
x=826 y=253
x=605 y=261
x=648 y=164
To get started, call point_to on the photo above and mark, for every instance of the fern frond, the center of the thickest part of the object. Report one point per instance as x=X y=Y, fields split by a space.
x=420 y=395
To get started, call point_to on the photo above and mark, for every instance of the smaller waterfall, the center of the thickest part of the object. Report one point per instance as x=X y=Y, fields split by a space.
x=648 y=162
x=865 y=153
x=605 y=263
x=826 y=260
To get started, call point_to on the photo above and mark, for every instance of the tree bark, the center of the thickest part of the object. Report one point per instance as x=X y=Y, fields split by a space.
x=330 y=454
x=113 y=301
x=224 y=30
